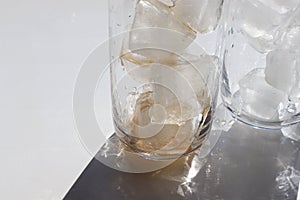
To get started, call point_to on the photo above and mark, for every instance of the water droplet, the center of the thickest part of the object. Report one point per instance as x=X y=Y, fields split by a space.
x=231 y=122
x=230 y=32
x=292 y=108
x=223 y=122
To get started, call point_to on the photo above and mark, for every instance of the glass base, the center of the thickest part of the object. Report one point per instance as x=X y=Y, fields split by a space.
x=155 y=148
x=259 y=124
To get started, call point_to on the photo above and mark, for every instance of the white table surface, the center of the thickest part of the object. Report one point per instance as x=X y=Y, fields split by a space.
x=42 y=46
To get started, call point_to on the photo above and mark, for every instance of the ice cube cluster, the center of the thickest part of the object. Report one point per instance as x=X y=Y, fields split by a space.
x=160 y=36
x=159 y=52
x=283 y=70
x=268 y=23
x=273 y=93
x=260 y=100
x=272 y=27
x=162 y=30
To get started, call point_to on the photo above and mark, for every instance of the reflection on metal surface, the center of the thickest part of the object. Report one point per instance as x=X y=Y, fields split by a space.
x=288 y=159
x=288 y=179
x=245 y=164
x=118 y=156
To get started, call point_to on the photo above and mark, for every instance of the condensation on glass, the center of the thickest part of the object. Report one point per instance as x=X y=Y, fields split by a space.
x=261 y=73
x=165 y=57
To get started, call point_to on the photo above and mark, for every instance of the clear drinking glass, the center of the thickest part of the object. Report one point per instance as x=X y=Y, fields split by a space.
x=261 y=71
x=164 y=73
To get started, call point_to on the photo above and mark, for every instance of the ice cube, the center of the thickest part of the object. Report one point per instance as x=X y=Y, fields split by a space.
x=201 y=15
x=291 y=35
x=160 y=120
x=168 y=2
x=281 y=6
x=180 y=92
x=185 y=82
x=187 y=71
x=283 y=72
x=261 y=100
x=259 y=23
x=188 y=82
x=194 y=68
x=292 y=132
x=156 y=27
x=146 y=122
x=281 y=69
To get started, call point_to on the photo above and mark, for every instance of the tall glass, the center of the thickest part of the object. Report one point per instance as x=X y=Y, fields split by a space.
x=261 y=72
x=164 y=73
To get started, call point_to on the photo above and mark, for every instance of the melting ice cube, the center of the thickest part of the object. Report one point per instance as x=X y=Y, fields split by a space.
x=168 y=2
x=156 y=27
x=283 y=72
x=291 y=36
x=160 y=119
x=259 y=23
x=281 y=69
x=261 y=100
x=196 y=68
x=187 y=71
x=201 y=15
x=181 y=88
x=281 y=6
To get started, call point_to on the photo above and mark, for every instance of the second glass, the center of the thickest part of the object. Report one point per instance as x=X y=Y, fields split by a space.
x=261 y=73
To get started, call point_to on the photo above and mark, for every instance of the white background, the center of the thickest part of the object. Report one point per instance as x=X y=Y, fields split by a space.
x=42 y=46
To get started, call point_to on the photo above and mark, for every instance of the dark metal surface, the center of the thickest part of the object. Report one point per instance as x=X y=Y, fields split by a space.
x=245 y=164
